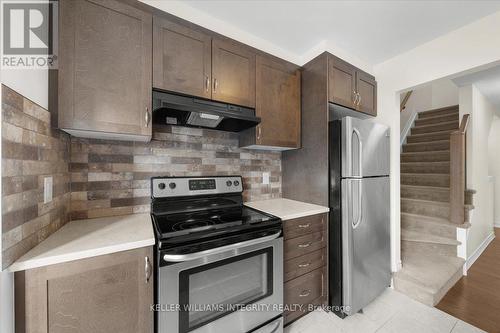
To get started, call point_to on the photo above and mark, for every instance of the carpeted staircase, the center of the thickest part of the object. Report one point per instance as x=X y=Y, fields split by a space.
x=428 y=239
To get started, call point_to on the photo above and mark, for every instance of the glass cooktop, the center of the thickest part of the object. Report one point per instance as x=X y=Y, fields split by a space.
x=207 y=220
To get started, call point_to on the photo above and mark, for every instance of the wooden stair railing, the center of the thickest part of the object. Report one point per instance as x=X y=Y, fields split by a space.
x=405 y=100
x=457 y=172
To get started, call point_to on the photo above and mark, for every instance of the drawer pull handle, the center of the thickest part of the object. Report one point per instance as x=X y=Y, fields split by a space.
x=147 y=269
x=305 y=293
x=304 y=245
x=304 y=225
x=306 y=264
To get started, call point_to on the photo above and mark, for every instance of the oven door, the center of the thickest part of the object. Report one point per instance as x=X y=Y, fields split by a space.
x=235 y=288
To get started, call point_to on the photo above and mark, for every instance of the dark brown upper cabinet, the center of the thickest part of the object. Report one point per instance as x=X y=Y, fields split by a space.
x=192 y=61
x=351 y=87
x=342 y=83
x=277 y=104
x=181 y=59
x=233 y=73
x=105 y=72
x=366 y=86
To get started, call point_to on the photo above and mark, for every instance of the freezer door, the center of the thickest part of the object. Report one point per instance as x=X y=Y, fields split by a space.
x=365 y=148
x=365 y=241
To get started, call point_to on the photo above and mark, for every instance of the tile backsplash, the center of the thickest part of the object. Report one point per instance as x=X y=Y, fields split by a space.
x=112 y=177
x=96 y=178
x=31 y=151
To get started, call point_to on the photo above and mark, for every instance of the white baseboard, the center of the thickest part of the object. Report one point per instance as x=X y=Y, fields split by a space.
x=496 y=224
x=480 y=250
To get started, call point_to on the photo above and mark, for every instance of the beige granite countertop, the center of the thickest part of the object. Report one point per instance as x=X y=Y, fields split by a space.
x=287 y=209
x=89 y=238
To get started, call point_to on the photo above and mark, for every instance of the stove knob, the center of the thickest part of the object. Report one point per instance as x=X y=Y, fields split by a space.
x=172 y=185
x=229 y=183
x=161 y=186
x=236 y=183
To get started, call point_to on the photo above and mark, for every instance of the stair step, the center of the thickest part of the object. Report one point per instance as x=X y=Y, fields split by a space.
x=426 y=207
x=441 y=194
x=429 y=208
x=428 y=278
x=438 y=112
x=426 y=146
x=426 y=179
x=424 y=237
x=427 y=137
x=450 y=125
x=426 y=156
x=437 y=119
x=430 y=225
x=425 y=167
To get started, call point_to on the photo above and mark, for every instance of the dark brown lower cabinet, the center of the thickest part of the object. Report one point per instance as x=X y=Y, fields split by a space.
x=108 y=293
x=305 y=265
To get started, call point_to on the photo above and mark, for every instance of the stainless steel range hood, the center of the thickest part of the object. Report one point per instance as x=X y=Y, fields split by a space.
x=189 y=111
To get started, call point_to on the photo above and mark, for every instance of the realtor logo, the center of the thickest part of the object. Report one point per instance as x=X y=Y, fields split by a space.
x=29 y=32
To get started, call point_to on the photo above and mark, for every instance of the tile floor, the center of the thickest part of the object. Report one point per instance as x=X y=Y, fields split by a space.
x=391 y=312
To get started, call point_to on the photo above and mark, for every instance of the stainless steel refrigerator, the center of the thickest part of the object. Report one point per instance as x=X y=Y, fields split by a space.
x=359 y=226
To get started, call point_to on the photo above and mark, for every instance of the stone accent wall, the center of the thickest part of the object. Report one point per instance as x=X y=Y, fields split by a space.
x=31 y=150
x=112 y=177
x=96 y=178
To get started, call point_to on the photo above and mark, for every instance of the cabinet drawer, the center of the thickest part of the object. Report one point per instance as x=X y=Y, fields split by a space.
x=305 y=289
x=304 y=225
x=304 y=264
x=304 y=244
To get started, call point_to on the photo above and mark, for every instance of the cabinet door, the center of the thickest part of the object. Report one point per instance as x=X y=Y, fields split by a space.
x=366 y=86
x=104 y=79
x=233 y=73
x=341 y=82
x=181 y=59
x=277 y=103
x=109 y=293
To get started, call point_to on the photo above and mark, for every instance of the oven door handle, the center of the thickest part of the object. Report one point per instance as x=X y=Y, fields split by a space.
x=201 y=254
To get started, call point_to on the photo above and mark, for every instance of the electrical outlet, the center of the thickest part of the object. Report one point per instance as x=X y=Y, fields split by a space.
x=47 y=189
x=265 y=178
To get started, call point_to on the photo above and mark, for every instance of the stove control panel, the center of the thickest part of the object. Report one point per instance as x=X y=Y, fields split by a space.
x=164 y=187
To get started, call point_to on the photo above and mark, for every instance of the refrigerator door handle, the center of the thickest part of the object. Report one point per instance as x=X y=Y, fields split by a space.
x=360 y=203
x=360 y=152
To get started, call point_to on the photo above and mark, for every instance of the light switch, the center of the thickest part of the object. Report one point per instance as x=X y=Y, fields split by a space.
x=265 y=178
x=47 y=189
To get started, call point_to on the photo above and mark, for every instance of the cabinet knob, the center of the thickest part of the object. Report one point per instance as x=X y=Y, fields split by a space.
x=355 y=96
x=305 y=293
x=259 y=131
x=304 y=245
x=359 y=99
x=303 y=265
x=146 y=117
x=304 y=226
x=147 y=269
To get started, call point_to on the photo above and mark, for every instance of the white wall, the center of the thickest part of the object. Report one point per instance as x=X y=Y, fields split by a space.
x=481 y=116
x=31 y=83
x=461 y=50
x=494 y=165
x=444 y=93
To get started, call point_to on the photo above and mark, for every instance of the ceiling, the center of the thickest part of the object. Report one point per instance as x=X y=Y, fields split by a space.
x=371 y=30
x=487 y=81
